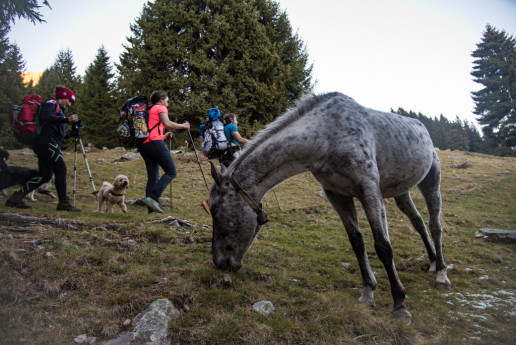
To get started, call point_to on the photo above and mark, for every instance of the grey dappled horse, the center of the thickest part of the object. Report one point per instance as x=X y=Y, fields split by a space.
x=353 y=152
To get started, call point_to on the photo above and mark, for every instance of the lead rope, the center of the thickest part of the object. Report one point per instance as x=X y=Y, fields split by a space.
x=261 y=215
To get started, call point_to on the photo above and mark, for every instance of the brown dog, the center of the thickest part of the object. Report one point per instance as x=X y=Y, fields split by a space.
x=113 y=194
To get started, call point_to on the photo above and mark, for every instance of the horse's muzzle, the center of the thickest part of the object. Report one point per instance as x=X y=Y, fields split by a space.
x=229 y=263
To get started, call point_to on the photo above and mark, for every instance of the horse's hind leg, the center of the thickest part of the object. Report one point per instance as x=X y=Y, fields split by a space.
x=406 y=205
x=430 y=188
x=346 y=209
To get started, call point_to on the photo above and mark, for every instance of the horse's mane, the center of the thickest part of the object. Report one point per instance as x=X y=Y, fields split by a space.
x=301 y=107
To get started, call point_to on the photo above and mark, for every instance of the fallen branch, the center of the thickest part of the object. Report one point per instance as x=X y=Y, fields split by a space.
x=20 y=230
x=171 y=219
x=58 y=222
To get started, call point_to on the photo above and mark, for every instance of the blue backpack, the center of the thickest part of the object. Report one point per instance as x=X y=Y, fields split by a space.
x=214 y=143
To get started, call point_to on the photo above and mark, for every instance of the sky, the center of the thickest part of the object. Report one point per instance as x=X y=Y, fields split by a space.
x=386 y=54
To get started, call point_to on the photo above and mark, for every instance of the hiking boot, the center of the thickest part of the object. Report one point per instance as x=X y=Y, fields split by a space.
x=65 y=205
x=16 y=200
x=152 y=204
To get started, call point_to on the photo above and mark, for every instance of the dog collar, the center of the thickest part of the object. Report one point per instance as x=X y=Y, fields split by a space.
x=111 y=192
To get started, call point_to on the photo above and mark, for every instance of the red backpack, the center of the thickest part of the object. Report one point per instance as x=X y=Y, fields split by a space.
x=23 y=118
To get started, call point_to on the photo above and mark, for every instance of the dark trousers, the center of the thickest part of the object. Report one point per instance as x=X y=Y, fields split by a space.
x=228 y=156
x=50 y=161
x=156 y=154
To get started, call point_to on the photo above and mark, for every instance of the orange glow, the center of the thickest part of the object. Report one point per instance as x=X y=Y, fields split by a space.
x=34 y=76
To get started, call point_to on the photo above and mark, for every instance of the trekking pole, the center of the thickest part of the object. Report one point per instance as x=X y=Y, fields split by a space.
x=198 y=161
x=170 y=149
x=74 y=170
x=274 y=190
x=204 y=203
x=85 y=161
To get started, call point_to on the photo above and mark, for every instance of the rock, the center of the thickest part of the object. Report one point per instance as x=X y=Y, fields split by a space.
x=346 y=265
x=129 y=156
x=504 y=235
x=101 y=160
x=226 y=279
x=467 y=164
x=264 y=307
x=81 y=339
x=26 y=152
x=150 y=326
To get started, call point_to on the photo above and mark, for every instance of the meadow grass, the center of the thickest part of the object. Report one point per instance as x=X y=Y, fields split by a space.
x=57 y=283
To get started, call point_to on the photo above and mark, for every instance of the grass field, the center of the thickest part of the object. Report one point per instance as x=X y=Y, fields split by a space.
x=57 y=283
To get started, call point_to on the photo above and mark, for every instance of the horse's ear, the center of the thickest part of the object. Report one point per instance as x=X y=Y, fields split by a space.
x=215 y=174
x=223 y=169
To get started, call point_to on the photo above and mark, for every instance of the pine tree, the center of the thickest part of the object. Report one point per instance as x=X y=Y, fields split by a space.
x=62 y=72
x=12 y=89
x=495 y=69
x=238 y=55
x=97 y=107
x=28 y=9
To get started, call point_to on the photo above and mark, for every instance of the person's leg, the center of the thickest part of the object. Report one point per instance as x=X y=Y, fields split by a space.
x=166 y=162
x=57 y=165
x=227 y=157
x=152 y=167
x=147 y=153
x=44 y=175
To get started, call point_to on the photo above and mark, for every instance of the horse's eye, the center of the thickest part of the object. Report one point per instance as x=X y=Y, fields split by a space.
x=229 y=248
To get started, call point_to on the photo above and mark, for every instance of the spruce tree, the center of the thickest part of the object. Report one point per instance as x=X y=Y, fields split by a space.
x=12 y=89
x=28 y=9
x=62 y=72
x=495 y=104
x=240 y=56
x=97 y=106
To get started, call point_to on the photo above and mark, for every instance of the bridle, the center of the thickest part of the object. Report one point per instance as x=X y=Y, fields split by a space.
x=261 y=216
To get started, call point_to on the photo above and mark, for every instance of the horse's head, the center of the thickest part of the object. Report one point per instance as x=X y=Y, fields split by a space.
x=235 y=223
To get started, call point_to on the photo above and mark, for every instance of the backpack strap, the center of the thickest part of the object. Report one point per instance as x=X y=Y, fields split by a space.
x=156 y=125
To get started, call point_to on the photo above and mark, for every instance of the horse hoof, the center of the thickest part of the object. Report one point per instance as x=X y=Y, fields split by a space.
x=367 y=298
x=368 y=302
x=442 y=281
x=443 y=286
x=402 y=314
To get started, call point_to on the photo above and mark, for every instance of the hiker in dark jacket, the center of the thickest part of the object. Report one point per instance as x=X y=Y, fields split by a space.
x=51 y=131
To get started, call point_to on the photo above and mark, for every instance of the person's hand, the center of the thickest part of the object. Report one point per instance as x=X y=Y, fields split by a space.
x=186 y=125
x=167 y=135
x=73 y=118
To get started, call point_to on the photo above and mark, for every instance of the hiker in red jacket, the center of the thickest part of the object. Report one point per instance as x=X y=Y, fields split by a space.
x=50 y=132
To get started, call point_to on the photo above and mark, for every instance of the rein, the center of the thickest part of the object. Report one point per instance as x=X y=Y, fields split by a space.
x=111 y=192
x=261 y=215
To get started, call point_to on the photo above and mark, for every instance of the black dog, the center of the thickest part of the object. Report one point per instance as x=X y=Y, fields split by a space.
x=13 y=175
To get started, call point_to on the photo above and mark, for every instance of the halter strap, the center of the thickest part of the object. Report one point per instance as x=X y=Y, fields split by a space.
x=262 y=216
x=111 y=192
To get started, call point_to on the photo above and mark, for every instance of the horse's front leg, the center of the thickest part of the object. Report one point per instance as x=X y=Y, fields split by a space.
x=374 y=208
x=346 y=209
